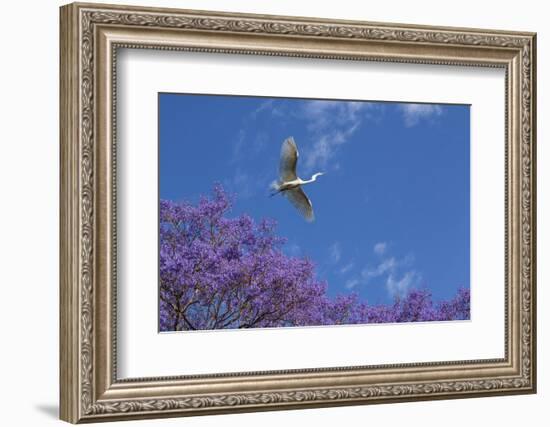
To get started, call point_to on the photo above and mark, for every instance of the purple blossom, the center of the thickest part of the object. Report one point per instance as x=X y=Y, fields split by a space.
x=218 y=272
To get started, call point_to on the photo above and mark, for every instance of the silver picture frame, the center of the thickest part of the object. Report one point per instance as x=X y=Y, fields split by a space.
x=90 y=36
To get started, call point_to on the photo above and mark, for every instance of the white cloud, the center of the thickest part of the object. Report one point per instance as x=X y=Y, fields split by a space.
x=269 y=107
x=245 y=185
x=238 y=146
x=240 y=183
x=352 y=283
x=293 y=249
x=332 y=124
x=388 y=265
x=325 y=147
x=326 y=114
x=260 y=141
x=346 y=268
x=335 y=252
x=413 y=113
x=266 y=105
x=248 y=144
x=397 y=274
x=399 y=286
x=380 y=248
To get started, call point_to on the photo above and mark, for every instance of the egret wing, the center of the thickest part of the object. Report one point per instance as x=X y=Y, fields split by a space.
x=301 y=202
x=289 y=158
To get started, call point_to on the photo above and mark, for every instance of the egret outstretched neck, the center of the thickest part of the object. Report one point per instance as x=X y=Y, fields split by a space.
x=313 y=177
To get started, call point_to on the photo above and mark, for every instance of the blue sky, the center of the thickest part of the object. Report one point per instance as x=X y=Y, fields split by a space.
x=392 y=211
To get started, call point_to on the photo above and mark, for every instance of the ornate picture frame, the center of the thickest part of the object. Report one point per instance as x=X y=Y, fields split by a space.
x=90 y=37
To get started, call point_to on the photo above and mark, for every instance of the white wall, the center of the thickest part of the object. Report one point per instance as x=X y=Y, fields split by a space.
x=29 y=170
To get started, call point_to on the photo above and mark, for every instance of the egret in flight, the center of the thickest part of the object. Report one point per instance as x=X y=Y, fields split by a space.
x=289 y=184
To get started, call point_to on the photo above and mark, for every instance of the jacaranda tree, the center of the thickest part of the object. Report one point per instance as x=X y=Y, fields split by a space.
x=218 y=272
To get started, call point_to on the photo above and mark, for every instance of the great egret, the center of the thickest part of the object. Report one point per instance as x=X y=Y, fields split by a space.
x=289 y=183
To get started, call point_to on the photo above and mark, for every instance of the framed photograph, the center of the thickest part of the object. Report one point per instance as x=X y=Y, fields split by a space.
x=266 y=212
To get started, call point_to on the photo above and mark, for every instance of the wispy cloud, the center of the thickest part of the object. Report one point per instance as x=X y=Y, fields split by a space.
x=325 y=147
x=351 y=283
x=387 y=266
x=335 y=252
x=268 y=106
x=261 y=141
x=247 y=145
x=396 y=274
x=332 y=124
x=414 y=113
x=238 y=146
x=324 y=114
x=398 y=285
x=246 y=185
x=240 y=183
x=329 y=125
x=293 y=249
x=347 y=268
x=380 y=248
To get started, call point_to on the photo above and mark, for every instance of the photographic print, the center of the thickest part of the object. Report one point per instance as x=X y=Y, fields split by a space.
x=286 y=212
x=351 y=210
